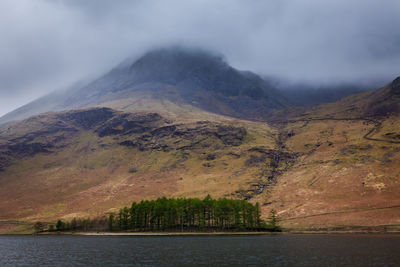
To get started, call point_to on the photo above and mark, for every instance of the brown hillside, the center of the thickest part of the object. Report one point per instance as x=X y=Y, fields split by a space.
x=347 y=172
x=88 y=162
x=333 y=166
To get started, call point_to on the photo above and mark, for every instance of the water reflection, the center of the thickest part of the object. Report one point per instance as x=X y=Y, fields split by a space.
x=282 y=250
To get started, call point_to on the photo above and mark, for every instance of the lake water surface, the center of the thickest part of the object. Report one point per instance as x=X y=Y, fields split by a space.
x=279 y=250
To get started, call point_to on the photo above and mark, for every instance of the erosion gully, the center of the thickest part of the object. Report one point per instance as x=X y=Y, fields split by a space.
x=281 y=159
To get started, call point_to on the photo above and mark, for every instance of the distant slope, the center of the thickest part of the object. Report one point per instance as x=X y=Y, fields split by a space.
x=301 y=95
x=373 y=104
x=182 y=76
x=49 y=102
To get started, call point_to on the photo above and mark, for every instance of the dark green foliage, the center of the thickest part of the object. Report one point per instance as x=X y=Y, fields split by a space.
x=111 y=222
x=96 y=224
x=60 y=225
x=179 y=214
x=273 y=221
x=188 y=214
x=74 y=224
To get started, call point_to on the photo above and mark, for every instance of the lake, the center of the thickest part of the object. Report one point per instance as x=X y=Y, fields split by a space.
x=263 y=250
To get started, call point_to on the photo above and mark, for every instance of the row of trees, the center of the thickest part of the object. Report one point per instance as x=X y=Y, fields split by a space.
x=189 y=214
x=179 y=214
x=86 y=224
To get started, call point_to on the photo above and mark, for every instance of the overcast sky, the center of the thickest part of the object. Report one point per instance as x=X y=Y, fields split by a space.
x=49 y=44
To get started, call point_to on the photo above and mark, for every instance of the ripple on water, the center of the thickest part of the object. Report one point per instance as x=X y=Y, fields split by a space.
x=284 y=250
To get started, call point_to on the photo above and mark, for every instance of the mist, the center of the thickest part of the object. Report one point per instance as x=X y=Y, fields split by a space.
x=47 y=44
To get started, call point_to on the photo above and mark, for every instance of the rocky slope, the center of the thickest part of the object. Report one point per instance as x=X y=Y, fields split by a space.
x=87 y=162
x=319 y=170
x=346 y=172
x=181 y=76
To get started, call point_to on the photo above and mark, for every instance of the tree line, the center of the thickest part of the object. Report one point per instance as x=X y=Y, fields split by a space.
x=80 y=224
x=186 y=214
x=180 y=214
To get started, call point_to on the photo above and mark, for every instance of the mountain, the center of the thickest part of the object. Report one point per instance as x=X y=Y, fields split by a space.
x=176 y=123
x=376 y=104
x=181 y=76
x=89 y=161
x=305 y=95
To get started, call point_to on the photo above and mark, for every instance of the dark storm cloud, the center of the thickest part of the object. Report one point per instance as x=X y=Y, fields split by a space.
x=48 y=44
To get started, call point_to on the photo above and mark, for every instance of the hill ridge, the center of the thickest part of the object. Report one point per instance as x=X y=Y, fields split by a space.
x=183 y=76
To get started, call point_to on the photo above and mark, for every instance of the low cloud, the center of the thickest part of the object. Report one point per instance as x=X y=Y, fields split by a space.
x=49 y=44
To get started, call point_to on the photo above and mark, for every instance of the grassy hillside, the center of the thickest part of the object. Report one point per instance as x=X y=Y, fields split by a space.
x=333 y=166
x=347 y=170
x=339 y=178
x=91 y=169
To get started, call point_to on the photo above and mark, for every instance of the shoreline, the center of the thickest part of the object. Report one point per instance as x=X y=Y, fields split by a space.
x=305 y=232
x=397 y=233
x=173 y=233
x=26 y=228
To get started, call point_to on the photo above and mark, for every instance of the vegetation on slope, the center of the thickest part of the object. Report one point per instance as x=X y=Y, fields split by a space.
x=176 y=214
x=96 y=159
x=333 y=165
x=346 y=171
